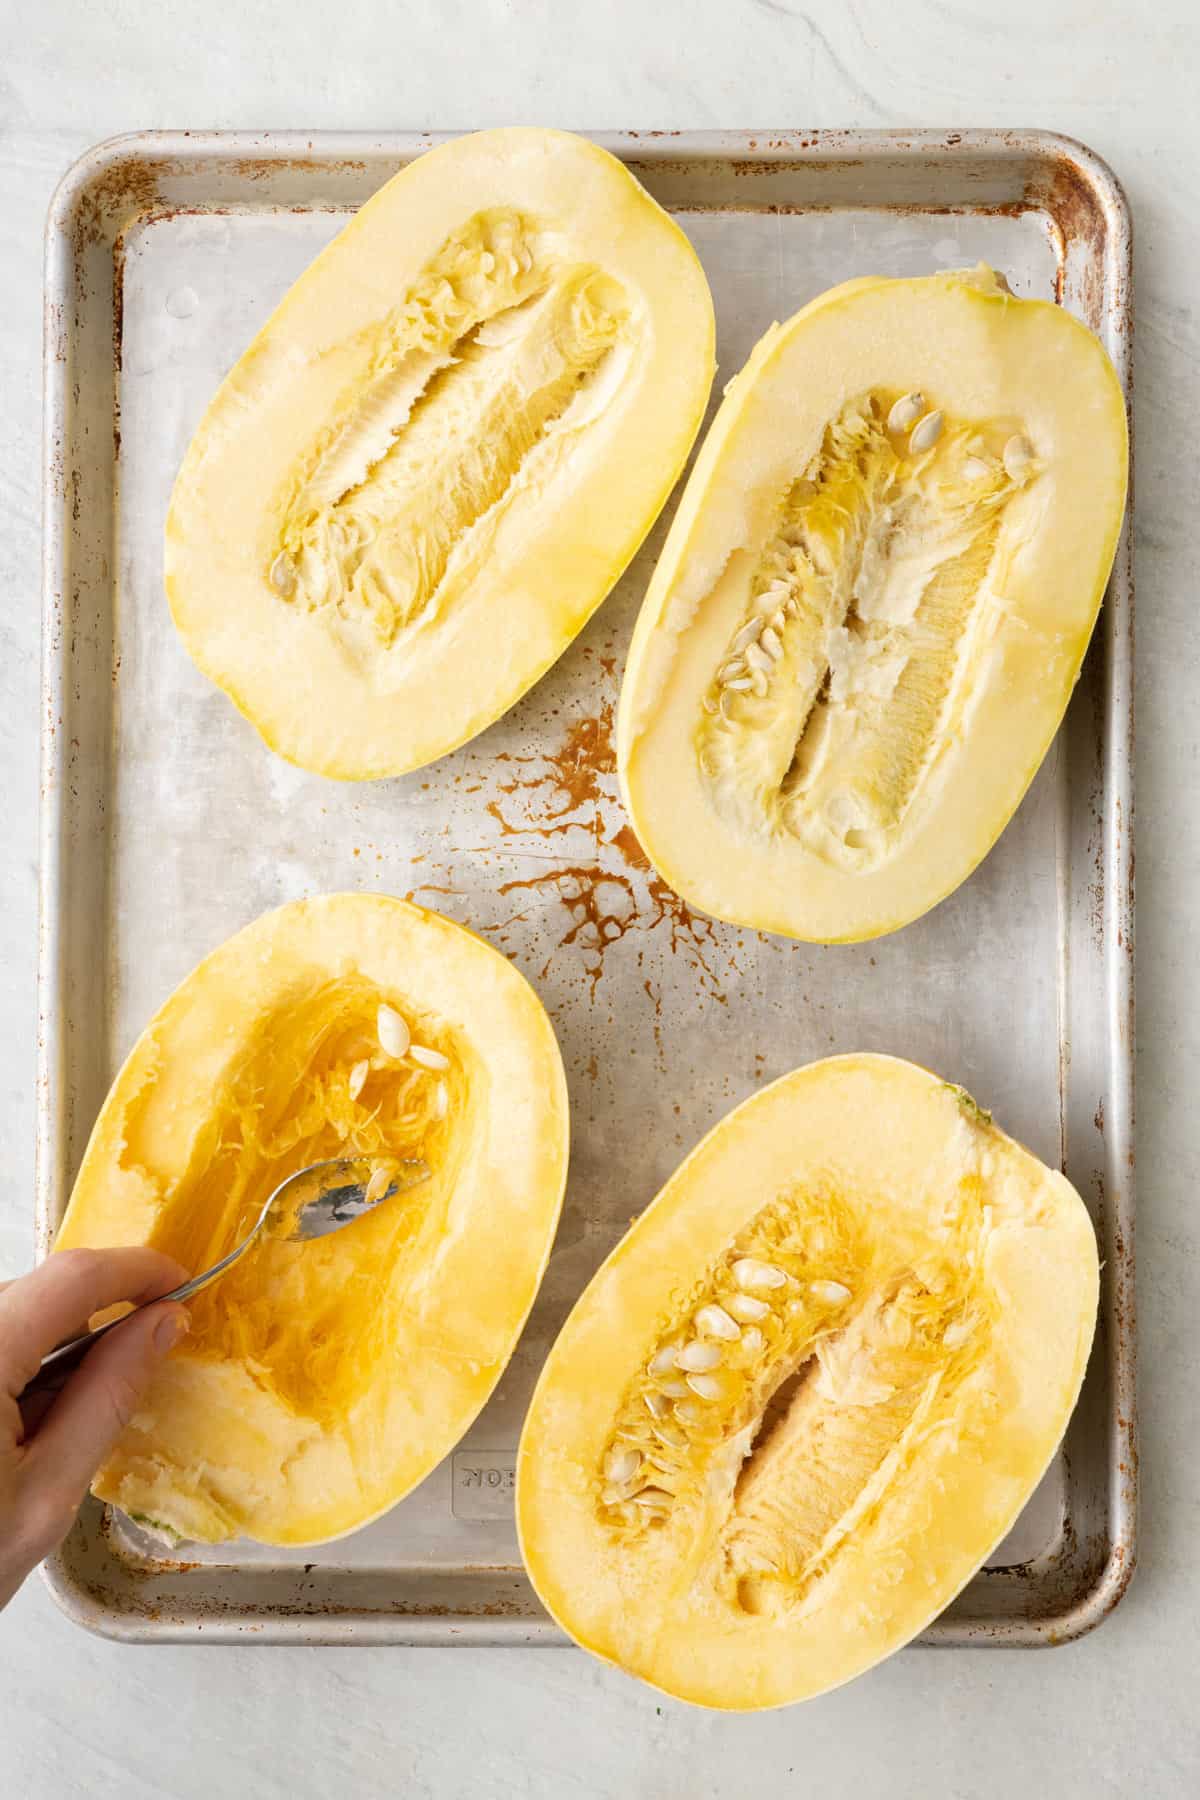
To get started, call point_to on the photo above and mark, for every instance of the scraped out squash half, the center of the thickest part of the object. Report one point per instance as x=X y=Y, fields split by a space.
x=809 y=1391
x=322 y=1380
x=873 y=603
x=440 y=452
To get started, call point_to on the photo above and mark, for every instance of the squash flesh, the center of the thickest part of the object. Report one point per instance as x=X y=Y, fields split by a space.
x=440 y=452
x=313 y=1320
x=868 y=1434
x=322 y=1380
x=857 y=646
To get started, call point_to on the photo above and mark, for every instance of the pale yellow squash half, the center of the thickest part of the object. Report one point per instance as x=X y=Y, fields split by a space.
x=440 y=452
x=323 y=1380
x=873 y=603
x=810 y=1390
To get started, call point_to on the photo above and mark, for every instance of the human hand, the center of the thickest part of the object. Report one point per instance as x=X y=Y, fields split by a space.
x=50 y=1449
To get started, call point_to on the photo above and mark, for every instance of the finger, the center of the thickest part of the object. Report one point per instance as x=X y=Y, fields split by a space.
x=93 y=1410
x=59 y=1297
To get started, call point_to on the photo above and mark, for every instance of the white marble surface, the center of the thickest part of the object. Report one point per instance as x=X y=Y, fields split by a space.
x=1115 y=1714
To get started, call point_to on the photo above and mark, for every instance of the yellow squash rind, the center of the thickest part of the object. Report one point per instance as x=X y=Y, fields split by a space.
x=322 y=1381
x=939 y=1297
x=440 y=451
x=839 y=811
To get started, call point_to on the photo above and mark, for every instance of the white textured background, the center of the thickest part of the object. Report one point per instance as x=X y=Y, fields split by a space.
x=1113 y=1715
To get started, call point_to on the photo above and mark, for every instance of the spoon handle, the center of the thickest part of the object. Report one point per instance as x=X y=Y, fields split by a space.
x=62 y=1361
x=66 y=1357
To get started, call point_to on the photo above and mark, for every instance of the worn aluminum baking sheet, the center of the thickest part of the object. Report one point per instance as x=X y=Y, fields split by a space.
x=168 y=825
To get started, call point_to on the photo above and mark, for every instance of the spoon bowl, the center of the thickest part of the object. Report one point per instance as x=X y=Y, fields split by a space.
x=323 y=1197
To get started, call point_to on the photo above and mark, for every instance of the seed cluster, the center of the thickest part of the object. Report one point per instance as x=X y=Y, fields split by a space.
x=758 y=645
x=800 y=1293
x=755 y=649
x=467 y=381
x=867 y=1398
x=828 y=701
x=396 y=1042
x=711 y=1369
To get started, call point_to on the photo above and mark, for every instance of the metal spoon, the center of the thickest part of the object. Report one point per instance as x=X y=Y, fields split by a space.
x=312 y=1203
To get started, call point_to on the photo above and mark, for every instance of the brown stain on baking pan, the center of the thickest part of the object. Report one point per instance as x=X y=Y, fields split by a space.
x=116 y=195
x=570 y=780
x=597 y=918
x=603 y=905
x=626 y=841
x=262 y=168
x=1086 y=235
x=559 y=806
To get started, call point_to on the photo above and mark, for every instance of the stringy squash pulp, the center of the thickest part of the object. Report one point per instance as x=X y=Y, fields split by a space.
x=322 y=1380
x=440 y=452
x=810 y=1390
x=873 y=603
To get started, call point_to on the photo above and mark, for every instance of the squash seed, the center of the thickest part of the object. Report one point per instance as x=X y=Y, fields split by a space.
x=748 y=1272
x=698 y=1356
x=753 y=1341
x=426 y=1058
x=283 y=575
x=746 y=1307
x=740 y=685
x=441 y=1101
x=669 y=1434
x=832 y=1292
x=358 y=1076
x=707 y=1386
x=714 y=1321
x=663 y=1361
x=377 y=1187
x=622 y=1465
x=757 y=659
x=672 y=1387
x=771 y=644
x=746 y=636
x=1018 y=455
x=926 y=433
x=906 y=412
x=656 y=1498
x=392 y=1032
x=657 y=1405
x=977 y=468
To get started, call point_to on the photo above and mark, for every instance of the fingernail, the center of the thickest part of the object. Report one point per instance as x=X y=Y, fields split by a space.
x=168 y=1331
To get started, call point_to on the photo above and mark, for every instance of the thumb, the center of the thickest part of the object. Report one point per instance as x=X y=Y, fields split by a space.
x=101 y=1398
